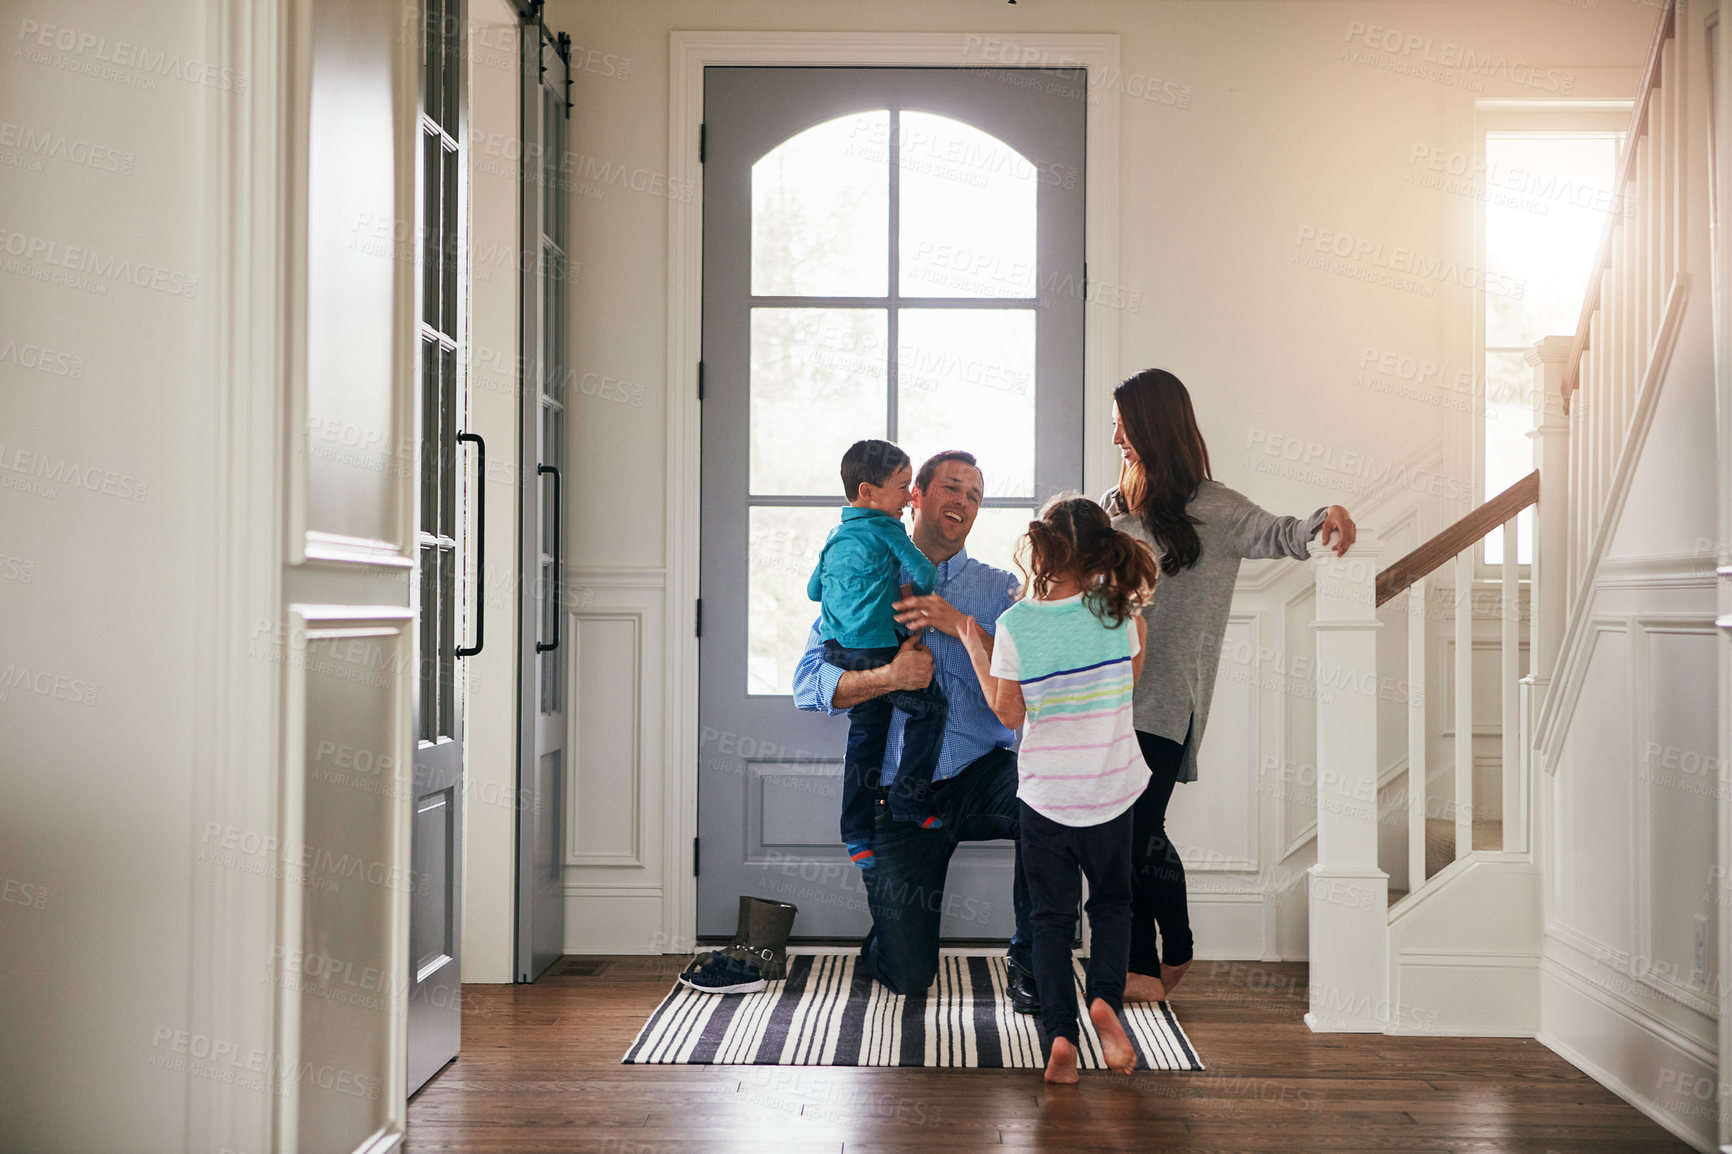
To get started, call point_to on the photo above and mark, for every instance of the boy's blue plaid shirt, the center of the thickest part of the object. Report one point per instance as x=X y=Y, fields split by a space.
x=974 y=588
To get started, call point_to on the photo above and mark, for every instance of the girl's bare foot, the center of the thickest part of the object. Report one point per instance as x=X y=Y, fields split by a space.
x=1172 y=975
x=1061 y=1066
x=1116 y=1049
x=1144 y=988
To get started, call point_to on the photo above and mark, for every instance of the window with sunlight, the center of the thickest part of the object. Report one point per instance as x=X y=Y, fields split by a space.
x=1546 y=198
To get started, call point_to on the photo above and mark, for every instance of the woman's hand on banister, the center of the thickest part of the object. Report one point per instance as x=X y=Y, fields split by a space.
x=1338 y=530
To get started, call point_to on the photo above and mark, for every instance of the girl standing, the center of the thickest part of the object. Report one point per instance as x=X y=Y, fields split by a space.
x=1065 y=661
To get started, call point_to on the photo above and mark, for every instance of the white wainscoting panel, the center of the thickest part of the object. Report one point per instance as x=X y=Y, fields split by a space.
x=1214 y=820
x=605 y=731
x=1677 y=779
x=1595 y=828
x=616 y=876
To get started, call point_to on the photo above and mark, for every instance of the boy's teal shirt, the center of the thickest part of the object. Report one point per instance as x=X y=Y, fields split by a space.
x=857 y=578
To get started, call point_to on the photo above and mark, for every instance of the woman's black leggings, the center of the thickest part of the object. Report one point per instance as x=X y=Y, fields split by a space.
x=1157 y=874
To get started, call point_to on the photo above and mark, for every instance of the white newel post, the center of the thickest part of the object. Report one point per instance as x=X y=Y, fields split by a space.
x=1548 y=579
x=1349 y=897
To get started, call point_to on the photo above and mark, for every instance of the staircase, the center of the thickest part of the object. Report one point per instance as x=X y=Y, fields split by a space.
x=1457 y=950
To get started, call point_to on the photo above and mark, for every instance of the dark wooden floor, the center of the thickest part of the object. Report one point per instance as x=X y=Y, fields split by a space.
x=540 y=1071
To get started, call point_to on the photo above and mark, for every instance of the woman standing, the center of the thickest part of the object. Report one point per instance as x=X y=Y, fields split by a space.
x=1200 y=530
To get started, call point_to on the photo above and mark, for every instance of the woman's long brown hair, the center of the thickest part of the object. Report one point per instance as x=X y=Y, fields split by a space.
x=1074 y=537
x=1172 y=462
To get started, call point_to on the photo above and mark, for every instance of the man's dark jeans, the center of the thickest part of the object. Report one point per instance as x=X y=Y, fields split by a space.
x=905 y=891
x=869 y=730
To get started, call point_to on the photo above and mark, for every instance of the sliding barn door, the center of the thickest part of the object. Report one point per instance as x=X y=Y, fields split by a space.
x=543 y=774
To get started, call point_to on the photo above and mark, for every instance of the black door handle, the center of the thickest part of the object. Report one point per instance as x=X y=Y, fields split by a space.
x=480 y=547
x=558 y=561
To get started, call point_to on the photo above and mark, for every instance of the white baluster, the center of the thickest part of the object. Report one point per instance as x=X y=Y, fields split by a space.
x=1417 y=732
x=1676 y=172
x=1509 y=724
x=1630 y=335
x=1648 y=289
x=1550 y=581
x=1464 y=702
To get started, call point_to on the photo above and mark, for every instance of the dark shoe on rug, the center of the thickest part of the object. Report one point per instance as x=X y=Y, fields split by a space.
x=717 y=972
x=1024 y=995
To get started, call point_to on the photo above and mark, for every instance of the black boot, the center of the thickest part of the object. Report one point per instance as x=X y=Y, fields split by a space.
x=762 y=935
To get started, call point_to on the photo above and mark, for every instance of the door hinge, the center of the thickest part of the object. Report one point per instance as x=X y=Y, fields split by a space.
x=703 y=141
x=694 y=857
x=700 y=622
x=700 y=380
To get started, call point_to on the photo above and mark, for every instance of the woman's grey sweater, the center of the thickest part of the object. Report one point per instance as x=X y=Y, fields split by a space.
x=1187 y=617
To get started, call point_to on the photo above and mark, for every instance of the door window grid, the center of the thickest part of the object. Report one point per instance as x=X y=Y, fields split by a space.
x=787 y=528
x=438 y=215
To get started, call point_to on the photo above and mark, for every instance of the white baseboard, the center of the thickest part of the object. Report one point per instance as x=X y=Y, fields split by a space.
x=1228 y=925
x=1451 y=994
x=1613 y=1044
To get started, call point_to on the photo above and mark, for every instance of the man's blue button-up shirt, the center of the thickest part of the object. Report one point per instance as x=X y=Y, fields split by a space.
x=974 y=588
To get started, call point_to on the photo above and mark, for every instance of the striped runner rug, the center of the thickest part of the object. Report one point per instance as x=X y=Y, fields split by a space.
x=820 y=1016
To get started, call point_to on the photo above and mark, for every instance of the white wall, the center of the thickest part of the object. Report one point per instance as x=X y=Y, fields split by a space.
x=107 y=509
x=490 y=740
x=1249 y=131
x=1627 y=825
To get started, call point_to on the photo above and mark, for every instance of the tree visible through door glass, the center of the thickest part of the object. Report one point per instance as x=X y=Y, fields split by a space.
x=820 y=211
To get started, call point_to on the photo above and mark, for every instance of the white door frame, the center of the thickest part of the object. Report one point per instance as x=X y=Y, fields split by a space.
x=689 y=54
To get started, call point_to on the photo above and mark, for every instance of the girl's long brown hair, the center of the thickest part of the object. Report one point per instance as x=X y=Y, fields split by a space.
x=1172 y=461
x=1074 y=536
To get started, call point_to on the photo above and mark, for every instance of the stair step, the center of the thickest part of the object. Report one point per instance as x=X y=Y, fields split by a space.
x=1440 y=845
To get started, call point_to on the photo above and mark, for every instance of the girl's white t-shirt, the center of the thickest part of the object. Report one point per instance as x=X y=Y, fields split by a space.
x=1079 y=763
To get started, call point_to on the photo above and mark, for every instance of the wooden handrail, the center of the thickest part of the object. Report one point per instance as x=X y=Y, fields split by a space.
x=1464 y=534
x=1663 y=32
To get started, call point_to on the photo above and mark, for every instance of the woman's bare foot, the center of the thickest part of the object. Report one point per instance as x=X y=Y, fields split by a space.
x=1115 y=1047
x=1172 y=975
x=1061 y=1066
x=1144 y=988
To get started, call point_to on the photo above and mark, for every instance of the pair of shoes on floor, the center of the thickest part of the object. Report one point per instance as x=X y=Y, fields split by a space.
x=1024 y=994
x=720 y=972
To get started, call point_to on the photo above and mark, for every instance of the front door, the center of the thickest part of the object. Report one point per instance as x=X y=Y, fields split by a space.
x=887 y=253
x=436 y=835
x=542 y=772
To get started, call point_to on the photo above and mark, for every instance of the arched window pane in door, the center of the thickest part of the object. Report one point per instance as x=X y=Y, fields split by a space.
x=817 y=387
x=966 y=378
x=821 y=211
x=967 y=207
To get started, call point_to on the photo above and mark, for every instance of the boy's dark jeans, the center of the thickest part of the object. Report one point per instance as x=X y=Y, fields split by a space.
x=868 y=731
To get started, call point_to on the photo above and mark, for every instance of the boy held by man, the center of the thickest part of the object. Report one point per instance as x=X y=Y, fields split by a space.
x=857 y=580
